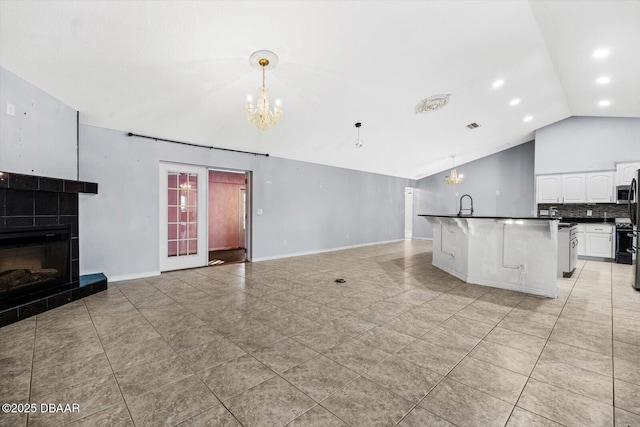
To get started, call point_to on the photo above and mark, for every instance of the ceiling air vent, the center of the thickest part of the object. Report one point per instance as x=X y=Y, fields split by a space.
x=473 y=125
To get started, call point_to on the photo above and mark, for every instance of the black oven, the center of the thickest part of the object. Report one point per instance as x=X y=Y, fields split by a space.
x=624 y=243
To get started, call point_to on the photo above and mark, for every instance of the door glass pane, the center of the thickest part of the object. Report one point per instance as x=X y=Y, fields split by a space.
x=182 y=191
x=173 y=248
x=193 y=230
x=173 y=214
x=173 y=232
x=172 y=196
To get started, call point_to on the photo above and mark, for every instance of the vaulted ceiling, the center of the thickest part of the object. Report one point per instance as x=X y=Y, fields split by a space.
x=180 y=70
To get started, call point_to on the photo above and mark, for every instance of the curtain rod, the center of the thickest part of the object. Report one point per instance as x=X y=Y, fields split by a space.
x=196 y=145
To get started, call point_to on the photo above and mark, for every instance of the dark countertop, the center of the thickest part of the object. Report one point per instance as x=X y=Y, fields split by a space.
x=489 y=217
x=588 y=220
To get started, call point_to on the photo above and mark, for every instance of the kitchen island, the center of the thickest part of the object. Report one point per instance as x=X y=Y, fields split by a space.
x=518 y=254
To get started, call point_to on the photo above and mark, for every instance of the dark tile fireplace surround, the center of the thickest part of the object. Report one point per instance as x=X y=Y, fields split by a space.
x=39 y=255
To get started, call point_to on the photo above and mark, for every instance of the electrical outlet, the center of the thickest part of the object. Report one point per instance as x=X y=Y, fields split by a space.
x=259 y=211
x=11 y=109
x=285 y=243
x=589 y=212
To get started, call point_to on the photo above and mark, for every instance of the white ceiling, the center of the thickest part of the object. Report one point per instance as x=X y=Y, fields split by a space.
x=180 y=70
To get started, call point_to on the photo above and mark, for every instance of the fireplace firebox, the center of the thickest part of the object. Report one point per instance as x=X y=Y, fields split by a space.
x=34 y=260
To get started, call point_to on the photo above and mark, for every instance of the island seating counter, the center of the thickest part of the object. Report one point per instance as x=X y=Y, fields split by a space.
x=514 y=253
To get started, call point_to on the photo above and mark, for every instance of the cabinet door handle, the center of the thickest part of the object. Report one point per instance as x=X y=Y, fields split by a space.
x=609 y=238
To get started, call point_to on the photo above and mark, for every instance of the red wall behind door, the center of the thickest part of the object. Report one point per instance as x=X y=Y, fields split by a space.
x=224 y=209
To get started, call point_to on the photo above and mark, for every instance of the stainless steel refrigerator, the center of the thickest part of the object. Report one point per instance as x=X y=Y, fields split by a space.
x=634 y=214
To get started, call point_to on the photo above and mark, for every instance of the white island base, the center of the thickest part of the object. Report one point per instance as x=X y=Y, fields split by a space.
x=507 y=253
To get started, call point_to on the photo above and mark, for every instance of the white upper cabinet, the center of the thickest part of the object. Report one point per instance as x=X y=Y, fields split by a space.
x=574 y=188
x=625 y=172
x=600 y=187
x=549 y=189
x=588 y=187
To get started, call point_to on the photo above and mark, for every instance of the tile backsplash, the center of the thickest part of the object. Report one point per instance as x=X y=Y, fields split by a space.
x=612 y=210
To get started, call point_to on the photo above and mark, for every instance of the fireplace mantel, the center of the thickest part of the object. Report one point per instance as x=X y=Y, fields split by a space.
x=17 y=181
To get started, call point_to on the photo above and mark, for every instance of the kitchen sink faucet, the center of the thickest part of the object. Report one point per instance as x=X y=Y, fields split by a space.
x=470 y=208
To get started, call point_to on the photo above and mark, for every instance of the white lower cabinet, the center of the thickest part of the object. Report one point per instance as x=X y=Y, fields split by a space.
x=582 y=243
x=599 y=240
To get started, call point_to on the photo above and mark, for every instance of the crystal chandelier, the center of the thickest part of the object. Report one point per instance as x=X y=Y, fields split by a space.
x=260 y=114
x=453 y=177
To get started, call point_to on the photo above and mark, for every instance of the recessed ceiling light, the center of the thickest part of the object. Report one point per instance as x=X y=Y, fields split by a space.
x=514 y=102
x=603 y=80
x=498 y=83
x=604 y=103
x=528 y=118
x=601 y=53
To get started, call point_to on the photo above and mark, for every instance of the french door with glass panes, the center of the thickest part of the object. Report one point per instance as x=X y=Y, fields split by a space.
x=183 y=220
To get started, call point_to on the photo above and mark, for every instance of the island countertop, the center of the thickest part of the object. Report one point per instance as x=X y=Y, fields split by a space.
x=490 y=217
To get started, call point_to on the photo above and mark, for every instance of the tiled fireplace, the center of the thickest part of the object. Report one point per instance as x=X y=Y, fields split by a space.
x=39 y=256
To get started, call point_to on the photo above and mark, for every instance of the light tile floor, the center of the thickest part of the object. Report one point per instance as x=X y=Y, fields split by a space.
x=280 y=343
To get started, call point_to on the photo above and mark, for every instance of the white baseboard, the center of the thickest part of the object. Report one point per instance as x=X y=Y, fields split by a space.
x=122 y=277
x=268 y=258
x=421 y=238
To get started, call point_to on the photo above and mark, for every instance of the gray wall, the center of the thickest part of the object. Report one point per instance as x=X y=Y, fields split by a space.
x=313 y=207
x=580 y=144
x=40 y=139
x=501 y=184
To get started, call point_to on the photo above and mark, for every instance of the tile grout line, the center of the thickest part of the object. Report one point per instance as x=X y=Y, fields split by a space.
x=353 y=337
x=85 y=382
x=194 y=373
x=109 y=361
x=56 y=364
x=164 y=339
x=545 y=346
x=460 y=361
x=251 y=355
x=33 y=361
x=613 y=359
